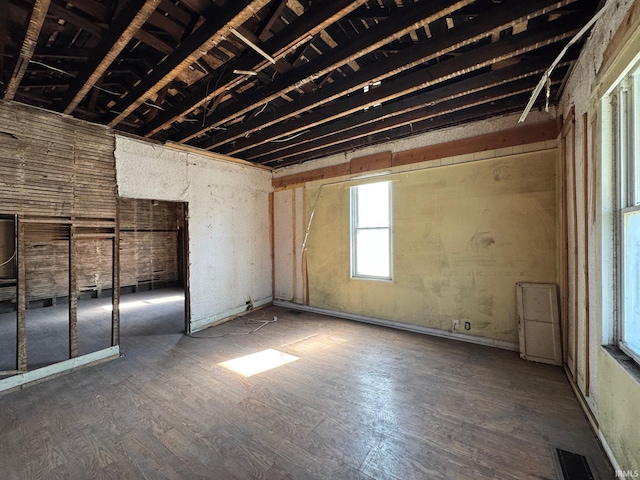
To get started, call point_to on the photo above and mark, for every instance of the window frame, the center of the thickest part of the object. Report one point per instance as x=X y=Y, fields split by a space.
x=625 y=98
x=353 y=229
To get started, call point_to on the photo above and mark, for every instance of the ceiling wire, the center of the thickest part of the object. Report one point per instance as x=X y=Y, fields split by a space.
x=56 y=69
x=547 y=74
x=12 y=257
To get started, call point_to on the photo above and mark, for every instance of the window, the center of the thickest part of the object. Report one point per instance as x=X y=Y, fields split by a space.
x=627 y=106
x=371 y=231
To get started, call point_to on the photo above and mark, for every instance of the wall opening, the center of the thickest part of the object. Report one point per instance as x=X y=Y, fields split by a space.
x=153 y=269
x=8 y=295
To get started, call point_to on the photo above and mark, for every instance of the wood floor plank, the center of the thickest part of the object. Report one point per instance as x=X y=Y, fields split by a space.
x=362 y=402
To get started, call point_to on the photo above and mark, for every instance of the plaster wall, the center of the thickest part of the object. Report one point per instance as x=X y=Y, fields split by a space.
x=463 y=236
x=229 y=232
x=289 y=237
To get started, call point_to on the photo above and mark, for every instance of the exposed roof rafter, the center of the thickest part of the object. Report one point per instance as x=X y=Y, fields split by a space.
x=36 y=20
x=284 y=81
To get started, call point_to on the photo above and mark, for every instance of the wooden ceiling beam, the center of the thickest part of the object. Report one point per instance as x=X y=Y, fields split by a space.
x=153 y=41
x=207 y=36
x=414 y=82
x=59 y=9
x=418 y=54
x=411 y=17
x=36 y=20
x=481 y=97
x=479 y=112
x=265 y=34
x=176 y=12
x=94 y=8
x=316 y=19
x=174 y=29
x=121 y=31
x=393 y=114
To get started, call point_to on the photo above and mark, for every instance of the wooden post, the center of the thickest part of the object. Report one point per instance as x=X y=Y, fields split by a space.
x=565 y=254
x=185 y=266
x=586 y=180
x=294 y=243
x=73 y=294
x=21 y=317
x=576 y=258
x=115 y=280
x=272 y=244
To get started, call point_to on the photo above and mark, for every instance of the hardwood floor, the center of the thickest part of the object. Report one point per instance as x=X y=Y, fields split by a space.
x=362 y=402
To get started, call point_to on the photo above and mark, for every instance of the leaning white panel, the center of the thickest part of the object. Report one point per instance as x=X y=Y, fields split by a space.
x=538 y=321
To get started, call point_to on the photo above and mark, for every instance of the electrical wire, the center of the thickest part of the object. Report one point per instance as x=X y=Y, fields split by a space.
x=281 y=140
x=12 y=257
x=247 y=322
x=97 y=87
x=547 y=74
x=215 y=88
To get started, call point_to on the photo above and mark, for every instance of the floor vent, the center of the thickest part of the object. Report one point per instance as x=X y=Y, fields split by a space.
x=572 y=466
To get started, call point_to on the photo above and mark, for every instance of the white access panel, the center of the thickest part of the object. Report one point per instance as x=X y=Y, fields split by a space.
x=538 y=322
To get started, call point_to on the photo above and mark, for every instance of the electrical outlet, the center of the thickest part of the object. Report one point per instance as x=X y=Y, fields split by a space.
x=467 y=325
x=455 y=324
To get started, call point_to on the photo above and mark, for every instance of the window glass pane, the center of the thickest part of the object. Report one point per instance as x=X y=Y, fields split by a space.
x=631 y=258
x=372 y=247
x=373 y=205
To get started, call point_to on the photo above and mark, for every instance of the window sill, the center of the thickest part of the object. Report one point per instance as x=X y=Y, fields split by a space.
x=627 y=363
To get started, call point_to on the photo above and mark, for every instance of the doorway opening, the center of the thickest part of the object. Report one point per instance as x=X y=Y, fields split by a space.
x=154 y=292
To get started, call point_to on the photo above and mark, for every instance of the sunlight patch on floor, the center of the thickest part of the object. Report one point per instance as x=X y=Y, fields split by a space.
x=258 y=362
x=142 y=303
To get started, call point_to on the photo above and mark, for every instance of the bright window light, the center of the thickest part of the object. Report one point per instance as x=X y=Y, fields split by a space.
x=258 y=362
x=371 y=230
x=625 y=102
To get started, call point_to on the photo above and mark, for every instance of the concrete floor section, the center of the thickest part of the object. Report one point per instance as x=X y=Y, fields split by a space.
x=154 y=312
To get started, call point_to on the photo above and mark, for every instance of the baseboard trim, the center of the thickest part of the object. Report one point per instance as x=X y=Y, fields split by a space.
x=593 y=421
x=50 y=371
x=198 y=325
x=609 y=452
x=488 y=342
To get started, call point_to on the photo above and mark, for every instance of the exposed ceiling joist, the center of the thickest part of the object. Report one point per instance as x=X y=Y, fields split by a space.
x=121 y=31
x=420 y=80
x=36 y=20
x=397 y=113
x=319 y=17
x=192 y=49
x=472 y=31
x=413 y=16
x=479 y=112
x=348 y=73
